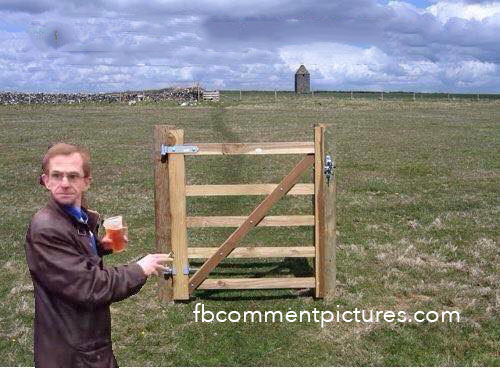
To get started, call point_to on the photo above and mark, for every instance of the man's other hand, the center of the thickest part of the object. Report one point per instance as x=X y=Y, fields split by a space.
x=154 y=263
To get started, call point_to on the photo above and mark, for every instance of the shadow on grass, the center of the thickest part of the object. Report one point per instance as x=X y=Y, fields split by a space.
x=249 y=295
x=298 y=267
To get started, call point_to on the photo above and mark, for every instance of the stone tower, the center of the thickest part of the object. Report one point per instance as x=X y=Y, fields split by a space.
x=302 y=80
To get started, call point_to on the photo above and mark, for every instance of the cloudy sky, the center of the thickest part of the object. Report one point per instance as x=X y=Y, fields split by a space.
x=112 y=45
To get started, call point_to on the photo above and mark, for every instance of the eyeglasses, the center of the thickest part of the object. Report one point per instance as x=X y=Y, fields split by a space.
x=72 y=177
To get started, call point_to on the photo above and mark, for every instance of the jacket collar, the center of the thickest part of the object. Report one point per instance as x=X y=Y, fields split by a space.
x=93 y=217
x=78 y=213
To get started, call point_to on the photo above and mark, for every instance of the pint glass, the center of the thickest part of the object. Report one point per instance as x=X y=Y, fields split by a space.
x=116 y=230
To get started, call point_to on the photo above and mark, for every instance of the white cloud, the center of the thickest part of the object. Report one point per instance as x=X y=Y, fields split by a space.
x=471 y=73
x=218 y=83
x=349 y=67
x=337 y=63
x=444 y=10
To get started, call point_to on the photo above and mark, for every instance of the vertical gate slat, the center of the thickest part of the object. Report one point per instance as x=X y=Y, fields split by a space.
x=319 y=215
x=177 y=191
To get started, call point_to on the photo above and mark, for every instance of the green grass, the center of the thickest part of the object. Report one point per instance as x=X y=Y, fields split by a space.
x=417 y=206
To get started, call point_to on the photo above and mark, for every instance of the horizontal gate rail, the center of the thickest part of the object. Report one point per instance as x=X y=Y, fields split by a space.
x=273 y=148
x=235 y=221
x=260 y=283
x=244 y=189
x=255 y=252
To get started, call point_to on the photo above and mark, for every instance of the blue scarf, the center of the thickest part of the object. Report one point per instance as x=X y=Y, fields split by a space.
x=81 y=217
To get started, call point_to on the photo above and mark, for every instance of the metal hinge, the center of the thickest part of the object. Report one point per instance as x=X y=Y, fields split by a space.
x=178 y=148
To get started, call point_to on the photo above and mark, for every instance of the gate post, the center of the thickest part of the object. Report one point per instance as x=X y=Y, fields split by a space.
x=330 y=198
x=162 y=208
x=324 y=214
x=170 y=207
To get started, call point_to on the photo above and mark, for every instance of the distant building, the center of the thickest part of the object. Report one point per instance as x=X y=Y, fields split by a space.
x=302 y=80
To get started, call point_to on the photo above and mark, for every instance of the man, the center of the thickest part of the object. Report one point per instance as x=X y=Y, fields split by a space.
x=73 y=289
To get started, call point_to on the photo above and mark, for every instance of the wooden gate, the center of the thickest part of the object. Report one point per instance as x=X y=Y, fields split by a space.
x=172 y=221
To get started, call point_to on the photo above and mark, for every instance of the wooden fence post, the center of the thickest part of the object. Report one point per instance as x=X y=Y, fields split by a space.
x=162 y=208
x=325 y=217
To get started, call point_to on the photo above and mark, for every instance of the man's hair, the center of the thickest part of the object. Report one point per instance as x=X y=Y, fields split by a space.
x=65 y=149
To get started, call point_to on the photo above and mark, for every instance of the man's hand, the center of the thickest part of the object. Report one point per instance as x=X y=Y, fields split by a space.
x=107 y=243
x=153 y=263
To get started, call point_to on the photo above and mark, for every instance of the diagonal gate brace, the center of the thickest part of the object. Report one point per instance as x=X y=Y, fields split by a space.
x=255 y=217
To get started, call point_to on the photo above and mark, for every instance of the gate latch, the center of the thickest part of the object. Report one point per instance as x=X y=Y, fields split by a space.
x=329 y=166
x=178 y=148
x=171 y=271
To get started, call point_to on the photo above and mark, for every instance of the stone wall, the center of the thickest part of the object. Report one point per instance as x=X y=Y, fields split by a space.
x=168 y=94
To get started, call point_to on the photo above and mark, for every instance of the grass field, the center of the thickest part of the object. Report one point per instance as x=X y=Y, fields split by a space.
x=418 y=208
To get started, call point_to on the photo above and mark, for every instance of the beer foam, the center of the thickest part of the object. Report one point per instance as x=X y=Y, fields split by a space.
x=113 y=223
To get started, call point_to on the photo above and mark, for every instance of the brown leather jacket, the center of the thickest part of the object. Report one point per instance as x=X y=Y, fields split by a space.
x=73 y=290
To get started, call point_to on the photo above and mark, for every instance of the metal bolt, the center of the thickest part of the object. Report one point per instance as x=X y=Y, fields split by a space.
x=173 y=149
x=194 y=149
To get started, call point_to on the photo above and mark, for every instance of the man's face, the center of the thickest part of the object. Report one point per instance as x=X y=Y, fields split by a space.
x=66 y=180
